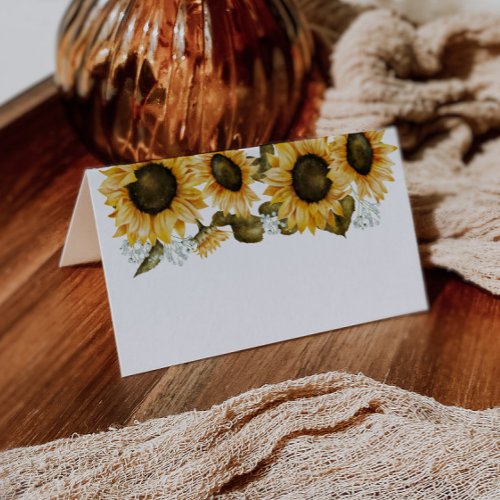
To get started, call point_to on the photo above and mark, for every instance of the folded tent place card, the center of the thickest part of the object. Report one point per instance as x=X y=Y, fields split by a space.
x=224 y=251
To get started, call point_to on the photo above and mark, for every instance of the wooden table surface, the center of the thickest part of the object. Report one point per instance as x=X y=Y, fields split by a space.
x=58 y=366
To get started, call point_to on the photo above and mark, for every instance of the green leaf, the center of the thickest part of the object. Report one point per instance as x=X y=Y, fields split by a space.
x=263 y=161
x=220 y=219
x=269 y=208
x=342 y=223
x=287 y=231
x=152 y=260
x=245 y=229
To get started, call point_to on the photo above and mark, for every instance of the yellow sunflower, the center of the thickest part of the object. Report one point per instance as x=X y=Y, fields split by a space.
x=152 y=199
x=303 y=182
x=227 y=177
x=363 y=158
x=209 y=239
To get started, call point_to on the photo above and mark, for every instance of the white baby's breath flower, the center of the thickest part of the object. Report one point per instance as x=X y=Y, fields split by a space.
x=178 y=251
x=367 y=214
x=135 y=253
x=271 y=223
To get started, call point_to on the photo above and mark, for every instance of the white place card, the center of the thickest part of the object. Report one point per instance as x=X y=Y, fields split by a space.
x=224 y=251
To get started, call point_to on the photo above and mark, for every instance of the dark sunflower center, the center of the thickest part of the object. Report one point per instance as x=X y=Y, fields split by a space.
x=154 y=189
x=309 y=178
x=359 y=153
x=226 y=172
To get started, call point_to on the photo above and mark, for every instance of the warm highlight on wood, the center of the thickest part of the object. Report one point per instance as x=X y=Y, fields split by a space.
x=59 y=371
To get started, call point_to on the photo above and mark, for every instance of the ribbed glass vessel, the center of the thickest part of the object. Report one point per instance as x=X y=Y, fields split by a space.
x=147 y=79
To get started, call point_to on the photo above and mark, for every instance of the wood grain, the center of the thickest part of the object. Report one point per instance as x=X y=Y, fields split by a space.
x=26 y=101
x=59 y=372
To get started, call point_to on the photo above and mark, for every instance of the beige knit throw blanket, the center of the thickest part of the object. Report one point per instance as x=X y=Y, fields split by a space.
x=440 y=83
x=326 y=436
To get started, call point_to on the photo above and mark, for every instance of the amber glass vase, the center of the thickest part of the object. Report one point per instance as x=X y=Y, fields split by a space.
x=145 y=79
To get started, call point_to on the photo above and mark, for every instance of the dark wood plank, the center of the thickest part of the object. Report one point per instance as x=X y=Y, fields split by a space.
x=59 y=372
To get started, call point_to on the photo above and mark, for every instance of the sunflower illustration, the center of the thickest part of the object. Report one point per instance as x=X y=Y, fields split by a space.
x=152 y=199
x=227 y=177
x=209 y=239
x=301 y=180
x=363 y=158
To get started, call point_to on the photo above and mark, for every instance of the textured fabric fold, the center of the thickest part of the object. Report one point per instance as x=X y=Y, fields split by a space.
x=325 y=436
